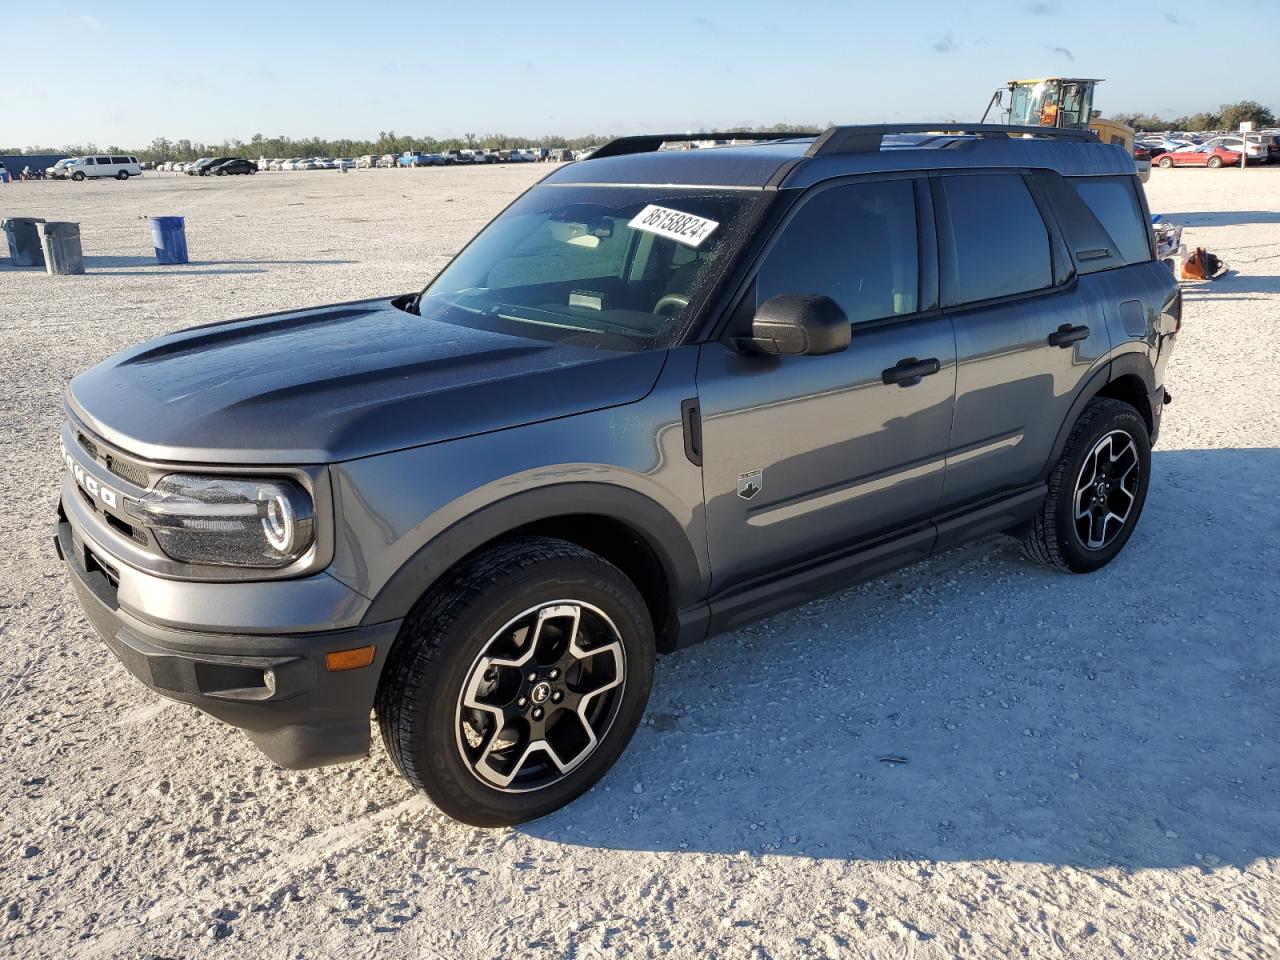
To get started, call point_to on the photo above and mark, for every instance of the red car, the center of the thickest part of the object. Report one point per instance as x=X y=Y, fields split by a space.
x=1205 y=156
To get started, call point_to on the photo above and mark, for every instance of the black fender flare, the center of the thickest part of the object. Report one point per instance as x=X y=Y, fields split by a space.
x=660 y=530
x=1128 y=363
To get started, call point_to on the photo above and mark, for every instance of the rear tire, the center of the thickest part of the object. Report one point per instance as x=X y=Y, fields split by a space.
x=500 y=703
x=1096 y=490
x=1166 y=162
x=122 y=175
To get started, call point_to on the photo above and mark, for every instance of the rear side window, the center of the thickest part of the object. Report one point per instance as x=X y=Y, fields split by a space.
x=993 y=239
x=1114 y=202
x=119 y=159
x=857 y=244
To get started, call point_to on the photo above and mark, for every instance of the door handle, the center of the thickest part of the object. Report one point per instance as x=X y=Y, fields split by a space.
x=909 y=371
x=1066 y=335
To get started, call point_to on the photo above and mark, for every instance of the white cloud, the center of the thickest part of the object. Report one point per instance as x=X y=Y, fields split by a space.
x=93 y=23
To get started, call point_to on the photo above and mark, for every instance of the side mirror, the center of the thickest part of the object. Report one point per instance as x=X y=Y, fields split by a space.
x=794 y=324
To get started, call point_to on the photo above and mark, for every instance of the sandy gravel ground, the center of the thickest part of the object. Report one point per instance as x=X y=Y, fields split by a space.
x=1093 y=762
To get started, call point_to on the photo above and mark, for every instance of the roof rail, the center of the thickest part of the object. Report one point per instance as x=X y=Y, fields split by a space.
x=649 y=142
x=867 y=138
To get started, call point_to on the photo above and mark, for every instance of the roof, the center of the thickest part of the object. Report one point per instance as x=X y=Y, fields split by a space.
x=1059 y=80
x=841 y=151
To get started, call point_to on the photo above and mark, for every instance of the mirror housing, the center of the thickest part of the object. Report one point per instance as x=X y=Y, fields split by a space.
x=795 y=324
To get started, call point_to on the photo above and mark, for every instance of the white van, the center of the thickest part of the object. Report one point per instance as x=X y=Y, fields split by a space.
x=122 y=168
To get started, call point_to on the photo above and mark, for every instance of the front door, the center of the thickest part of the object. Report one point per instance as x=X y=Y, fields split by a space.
x=805 y=456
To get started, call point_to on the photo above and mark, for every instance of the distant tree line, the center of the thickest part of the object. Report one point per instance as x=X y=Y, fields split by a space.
x=1228 y=117
x=388 y=141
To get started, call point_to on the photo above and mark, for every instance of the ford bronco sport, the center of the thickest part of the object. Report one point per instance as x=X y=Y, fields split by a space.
x=661 y=394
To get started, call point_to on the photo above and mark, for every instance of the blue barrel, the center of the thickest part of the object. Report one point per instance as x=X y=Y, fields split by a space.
x=169 y=237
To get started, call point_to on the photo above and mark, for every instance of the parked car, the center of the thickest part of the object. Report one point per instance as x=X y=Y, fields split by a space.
x=1142 y=161
x=1204 y=155
x=451 y=529
x=101 y=167
x=1254 y=148
x=204 y=167
x=561 y=155
x=366 y=162
x=59 y=171
x=412 y=159
x=387 y=160
x=237 y=165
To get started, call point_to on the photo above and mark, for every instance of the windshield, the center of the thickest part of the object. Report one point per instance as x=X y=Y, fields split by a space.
x=614 y=268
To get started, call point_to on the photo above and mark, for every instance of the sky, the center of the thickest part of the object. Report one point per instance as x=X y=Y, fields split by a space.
x=123 y=73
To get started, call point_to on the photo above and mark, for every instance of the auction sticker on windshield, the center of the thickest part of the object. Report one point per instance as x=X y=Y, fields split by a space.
x=685 y=228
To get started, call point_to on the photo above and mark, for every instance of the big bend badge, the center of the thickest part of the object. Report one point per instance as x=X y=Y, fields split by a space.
x=749 y=484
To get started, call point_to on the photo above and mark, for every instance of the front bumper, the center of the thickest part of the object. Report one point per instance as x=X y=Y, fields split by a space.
x=275 y=687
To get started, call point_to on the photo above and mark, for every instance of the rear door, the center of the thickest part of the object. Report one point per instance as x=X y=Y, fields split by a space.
x=1025 y=338
x=807 y=456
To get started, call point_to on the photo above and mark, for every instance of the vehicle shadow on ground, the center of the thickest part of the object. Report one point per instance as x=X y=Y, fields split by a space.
x=1231 y=283
x=1226 y=218
x=979 y=707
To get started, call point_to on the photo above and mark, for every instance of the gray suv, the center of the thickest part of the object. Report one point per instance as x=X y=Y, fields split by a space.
x=662 y=394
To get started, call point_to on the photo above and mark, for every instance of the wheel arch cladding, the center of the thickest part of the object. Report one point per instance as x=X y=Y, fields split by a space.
x=1128 y=378
x=628 y=529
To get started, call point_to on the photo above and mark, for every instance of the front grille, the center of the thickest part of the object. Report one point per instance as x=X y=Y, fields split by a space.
x=121 y=465
x=89 y=446
x=132 y=472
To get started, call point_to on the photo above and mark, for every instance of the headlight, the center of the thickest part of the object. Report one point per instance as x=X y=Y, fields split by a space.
x=224 y=521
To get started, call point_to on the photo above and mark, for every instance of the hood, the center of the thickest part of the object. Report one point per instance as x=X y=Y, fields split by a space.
x=339 y=382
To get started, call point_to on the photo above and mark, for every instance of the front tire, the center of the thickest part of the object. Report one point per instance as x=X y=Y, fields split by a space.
x=1215 y=162
x=1166 y=162
x=77 y=176
x=517 y=682
x=1096 y=491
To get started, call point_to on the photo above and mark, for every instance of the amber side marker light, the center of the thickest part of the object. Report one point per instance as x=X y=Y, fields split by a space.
x=349 y=659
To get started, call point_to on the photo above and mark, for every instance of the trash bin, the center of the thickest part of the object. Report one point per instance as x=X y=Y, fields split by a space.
x=61 y=245
x=169 y=237
x=24 y=242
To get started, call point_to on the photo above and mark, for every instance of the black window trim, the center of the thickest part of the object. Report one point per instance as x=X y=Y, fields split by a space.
x=727 y=308
x=1062 y=279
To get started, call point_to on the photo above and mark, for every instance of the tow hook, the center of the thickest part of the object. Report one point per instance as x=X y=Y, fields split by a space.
x=1168 y=398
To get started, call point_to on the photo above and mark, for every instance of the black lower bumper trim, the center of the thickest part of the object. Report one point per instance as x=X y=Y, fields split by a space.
x=275 y=687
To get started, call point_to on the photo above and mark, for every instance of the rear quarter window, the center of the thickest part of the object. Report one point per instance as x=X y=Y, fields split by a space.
x=1114 y=201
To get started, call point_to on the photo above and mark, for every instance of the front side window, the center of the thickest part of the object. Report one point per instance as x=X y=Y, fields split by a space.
x=855 y=243
x=993 y=239
x=119 y=159
x=607 y=267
